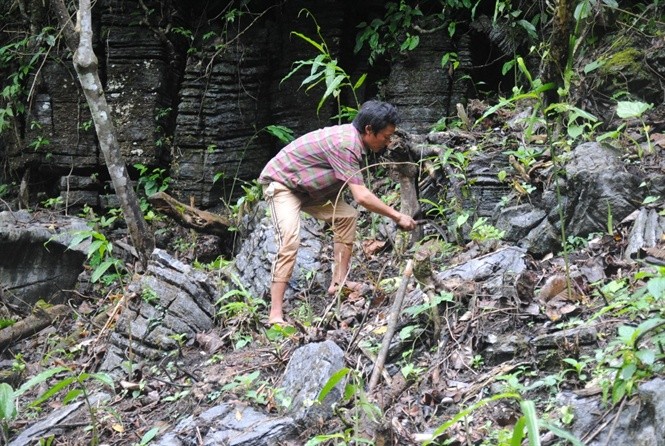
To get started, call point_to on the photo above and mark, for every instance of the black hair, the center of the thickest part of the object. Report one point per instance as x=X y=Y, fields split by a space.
x=377 y=114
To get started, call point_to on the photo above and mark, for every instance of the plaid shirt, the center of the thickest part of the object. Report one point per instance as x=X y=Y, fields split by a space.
x=318 y=163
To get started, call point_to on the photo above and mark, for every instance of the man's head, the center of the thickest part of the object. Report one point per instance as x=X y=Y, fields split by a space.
x=376 y=122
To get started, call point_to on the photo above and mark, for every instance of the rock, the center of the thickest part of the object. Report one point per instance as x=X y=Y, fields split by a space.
x=309 y=369
x=229 y=425
x=641 y=423
x=517 y=221
x=598 y=186
x=36 y=261
x=171 y=299
x=254 y=259
x=491 y=270
x=50 y=424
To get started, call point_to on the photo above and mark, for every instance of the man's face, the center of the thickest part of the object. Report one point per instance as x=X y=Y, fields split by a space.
x=379 y=141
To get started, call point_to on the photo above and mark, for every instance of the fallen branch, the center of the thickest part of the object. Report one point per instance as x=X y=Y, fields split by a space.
x=392 y=325
x=189 y=216
x=32 y=324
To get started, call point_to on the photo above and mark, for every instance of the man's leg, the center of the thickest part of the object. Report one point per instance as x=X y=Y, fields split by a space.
x=277 y=290
x=285 y=214
x=342 y=253
x=343 y=218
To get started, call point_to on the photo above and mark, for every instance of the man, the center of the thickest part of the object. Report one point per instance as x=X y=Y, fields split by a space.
x=308 y=175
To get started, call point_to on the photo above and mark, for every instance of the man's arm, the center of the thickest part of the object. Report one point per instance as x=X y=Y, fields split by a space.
x=372 y=203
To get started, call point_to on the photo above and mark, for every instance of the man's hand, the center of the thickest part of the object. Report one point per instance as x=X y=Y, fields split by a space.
x=405 y=222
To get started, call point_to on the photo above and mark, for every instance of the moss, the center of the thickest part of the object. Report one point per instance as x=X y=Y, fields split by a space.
x=625 y=61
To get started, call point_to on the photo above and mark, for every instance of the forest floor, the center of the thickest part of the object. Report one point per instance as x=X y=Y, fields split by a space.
x=476 y=346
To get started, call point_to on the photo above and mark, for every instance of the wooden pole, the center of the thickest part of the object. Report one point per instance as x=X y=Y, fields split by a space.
x=392 y=324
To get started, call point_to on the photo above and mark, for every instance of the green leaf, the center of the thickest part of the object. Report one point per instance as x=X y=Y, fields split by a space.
x=406 y=332
x=452 y=27
x=530 y=29
x=103 y=378
x=556 y=430
x=284 y=134
x=627 y=335
x=465 y=412
x=101 y=269
x=360 y=81
x=71 y=396
x=628 y=371
x=529 y=410
x=57 y=387
x=647 y=356
x=588 y=68
x=149 y=436
x=78 y=238
x=331 y=383
x=95 y=246
x=631 y=109
x=39 y=378
x=522 y=66
x=507 y=67
x=316 y=45
x=319 y=439
x=656 y=287
x=575 y=131
x=518 y=432
x=7 y=402
x=582 y=11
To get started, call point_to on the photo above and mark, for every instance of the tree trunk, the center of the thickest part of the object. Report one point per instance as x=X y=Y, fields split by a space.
x=85 y=64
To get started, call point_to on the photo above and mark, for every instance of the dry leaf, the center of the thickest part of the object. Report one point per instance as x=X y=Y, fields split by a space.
x=371 y=247
x=553 y=286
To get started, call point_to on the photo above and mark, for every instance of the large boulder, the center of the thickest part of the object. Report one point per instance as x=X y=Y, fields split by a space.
x=171 y=299
x=37 y=262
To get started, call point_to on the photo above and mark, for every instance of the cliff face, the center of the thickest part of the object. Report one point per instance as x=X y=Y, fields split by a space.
x=193 y=85
x=192 y=88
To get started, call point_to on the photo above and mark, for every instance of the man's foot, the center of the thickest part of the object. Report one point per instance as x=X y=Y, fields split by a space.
x=276 y=320
x=352 y=287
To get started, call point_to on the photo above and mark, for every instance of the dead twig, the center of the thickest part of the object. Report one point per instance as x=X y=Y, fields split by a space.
x=392 y=325
x=40 y=319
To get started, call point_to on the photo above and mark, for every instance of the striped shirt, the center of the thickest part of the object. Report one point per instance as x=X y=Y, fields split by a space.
x=319 y=163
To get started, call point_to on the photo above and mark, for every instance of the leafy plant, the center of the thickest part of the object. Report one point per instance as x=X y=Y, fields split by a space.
x=148 y=437
x=325 y=69
x=362 y=409
x=4 y=189
x=633 y=359
x=527 y=426
x=482 y=231
x=99 y=255
x=152 y=181
x=632 y=110
x=284 y=134
x=53 y=203
x=20 y=58
x=248 y=388
x=390 y=33
x=75 y=382
x=241 y=310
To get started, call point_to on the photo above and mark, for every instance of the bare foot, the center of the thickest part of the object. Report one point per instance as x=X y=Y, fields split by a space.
x=276 y=320
x=354 y=287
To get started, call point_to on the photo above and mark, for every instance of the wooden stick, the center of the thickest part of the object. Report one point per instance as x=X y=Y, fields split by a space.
x=32 y=324
x=392 y=324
